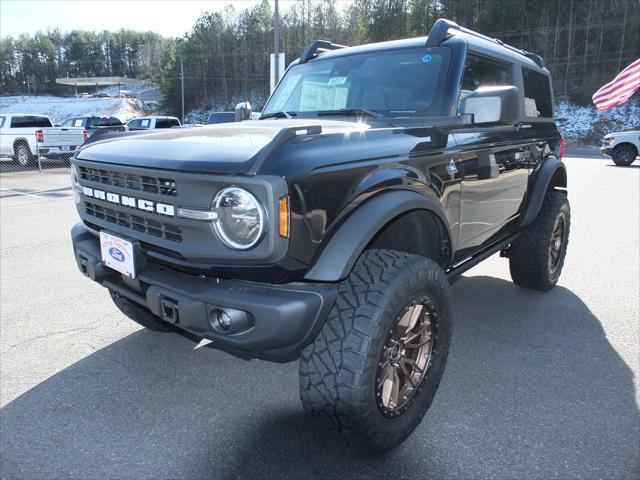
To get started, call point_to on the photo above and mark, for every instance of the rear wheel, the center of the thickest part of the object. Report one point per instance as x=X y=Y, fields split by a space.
x=536 y=258
x=624 y=155
x=373 y=370
x=138 y=313
x=22 y=155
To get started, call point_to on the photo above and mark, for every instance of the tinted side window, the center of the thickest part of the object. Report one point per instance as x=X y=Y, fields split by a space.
x=68 y=122
x=484 y=72
x=1 y=122
x=134 y=124
x=167 y=123
x=30 y=122
x=104 y=122
x=227 y=117
x=537 y=94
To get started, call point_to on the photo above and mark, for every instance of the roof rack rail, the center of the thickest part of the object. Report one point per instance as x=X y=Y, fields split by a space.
x=318 y=47
x=438 y=34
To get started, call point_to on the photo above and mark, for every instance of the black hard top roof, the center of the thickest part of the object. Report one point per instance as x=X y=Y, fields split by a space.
x=443 y=33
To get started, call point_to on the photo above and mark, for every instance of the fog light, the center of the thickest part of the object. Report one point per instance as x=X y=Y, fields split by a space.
x=230 y=321
x=224 y=320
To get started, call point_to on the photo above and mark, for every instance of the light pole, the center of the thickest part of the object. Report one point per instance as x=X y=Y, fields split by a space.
x=182 y=57
x=276 y=44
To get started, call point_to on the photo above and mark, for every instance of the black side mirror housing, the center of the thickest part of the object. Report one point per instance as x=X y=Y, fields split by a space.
x=499 y=105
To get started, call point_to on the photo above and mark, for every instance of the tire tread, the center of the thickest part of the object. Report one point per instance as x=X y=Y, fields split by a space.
x=332 y=387
x=528 y=255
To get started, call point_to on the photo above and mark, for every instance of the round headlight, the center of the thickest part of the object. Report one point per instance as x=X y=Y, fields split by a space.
x=241 y=220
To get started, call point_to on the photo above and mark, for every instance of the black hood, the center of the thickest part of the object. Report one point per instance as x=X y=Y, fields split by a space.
x=232 y=148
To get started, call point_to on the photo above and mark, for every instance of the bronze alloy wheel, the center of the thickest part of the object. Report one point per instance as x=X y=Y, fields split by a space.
x=406 y=357
x=556 y=245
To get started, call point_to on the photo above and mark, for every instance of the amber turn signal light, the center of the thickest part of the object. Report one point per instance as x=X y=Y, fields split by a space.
x=283 y=207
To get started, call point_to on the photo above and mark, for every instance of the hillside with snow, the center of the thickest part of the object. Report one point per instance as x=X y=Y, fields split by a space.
x=59 y=108
x=584 y=125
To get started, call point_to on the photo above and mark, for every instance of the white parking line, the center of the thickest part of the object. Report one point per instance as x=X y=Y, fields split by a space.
x=34 y=193
x=29 y=194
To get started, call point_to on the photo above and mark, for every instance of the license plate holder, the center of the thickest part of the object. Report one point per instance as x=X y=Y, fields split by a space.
x=118 y=254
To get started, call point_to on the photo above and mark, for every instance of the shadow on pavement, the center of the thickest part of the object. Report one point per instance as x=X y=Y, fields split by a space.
x=532 y=389
x=626 y=166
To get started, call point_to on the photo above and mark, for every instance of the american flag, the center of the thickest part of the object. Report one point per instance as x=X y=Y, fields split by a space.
x=618 y=90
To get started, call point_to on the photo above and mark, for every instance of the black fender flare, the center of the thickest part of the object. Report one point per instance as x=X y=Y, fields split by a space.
x=551 y=168
x=347 y=244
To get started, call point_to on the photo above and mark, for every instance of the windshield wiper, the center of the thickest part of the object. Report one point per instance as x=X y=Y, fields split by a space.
x=288 y=115
x=352 y=111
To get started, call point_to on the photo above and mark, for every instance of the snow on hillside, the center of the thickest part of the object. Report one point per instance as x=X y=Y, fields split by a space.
x=584 y=125
x=59 y=108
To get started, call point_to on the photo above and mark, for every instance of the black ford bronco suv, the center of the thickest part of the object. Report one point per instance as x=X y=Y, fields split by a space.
x=330 y=229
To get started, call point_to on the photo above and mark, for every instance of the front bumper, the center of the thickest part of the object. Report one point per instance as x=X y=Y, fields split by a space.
x=606 y=150
x=283 y=319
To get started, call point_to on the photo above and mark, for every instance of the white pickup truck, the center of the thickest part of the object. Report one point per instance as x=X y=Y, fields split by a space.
x=25 y=137
x=622 y=147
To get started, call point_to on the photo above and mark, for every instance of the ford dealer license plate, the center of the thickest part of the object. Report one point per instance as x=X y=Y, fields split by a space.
x=117 y=254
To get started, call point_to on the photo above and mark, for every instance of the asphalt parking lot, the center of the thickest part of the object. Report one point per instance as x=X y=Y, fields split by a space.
x=538 y=385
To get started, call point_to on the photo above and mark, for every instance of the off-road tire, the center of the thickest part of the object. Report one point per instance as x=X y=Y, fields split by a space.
x=530 y=255
x=22 y=154
x=624 y=155
x=338 y=370
x=138 y=314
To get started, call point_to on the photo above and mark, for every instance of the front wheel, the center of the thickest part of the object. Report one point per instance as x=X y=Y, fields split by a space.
x=373 y=370
x=536 y=258
x=624 y=155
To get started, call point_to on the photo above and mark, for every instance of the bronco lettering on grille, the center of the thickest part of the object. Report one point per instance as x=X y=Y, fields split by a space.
x=131 y=202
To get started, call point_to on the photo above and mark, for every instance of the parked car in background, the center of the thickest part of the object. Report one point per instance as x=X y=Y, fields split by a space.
x=24 y=137
x=221 y=117
x=151 y=122
x=94 y=125
x=622 y=147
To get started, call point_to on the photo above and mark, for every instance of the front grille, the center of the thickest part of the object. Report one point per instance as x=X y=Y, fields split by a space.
x=132 y=181
x=134 y=222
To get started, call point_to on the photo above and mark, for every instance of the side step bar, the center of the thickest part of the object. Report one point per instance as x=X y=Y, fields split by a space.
x=454 y=273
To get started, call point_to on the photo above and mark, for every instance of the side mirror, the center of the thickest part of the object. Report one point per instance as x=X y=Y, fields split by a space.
x=243 y=111
x=500 y=105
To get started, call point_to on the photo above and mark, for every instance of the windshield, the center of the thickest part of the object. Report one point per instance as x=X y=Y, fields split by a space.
x=395 y=83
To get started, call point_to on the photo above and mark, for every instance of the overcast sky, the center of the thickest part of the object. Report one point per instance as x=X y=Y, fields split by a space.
x=167 y=17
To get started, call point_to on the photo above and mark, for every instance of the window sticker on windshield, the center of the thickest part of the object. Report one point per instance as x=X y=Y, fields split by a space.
x=337 y=80
x=340 y=100
x=320 y=96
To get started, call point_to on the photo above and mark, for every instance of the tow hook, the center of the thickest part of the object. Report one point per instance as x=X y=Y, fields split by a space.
x=169 y=309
